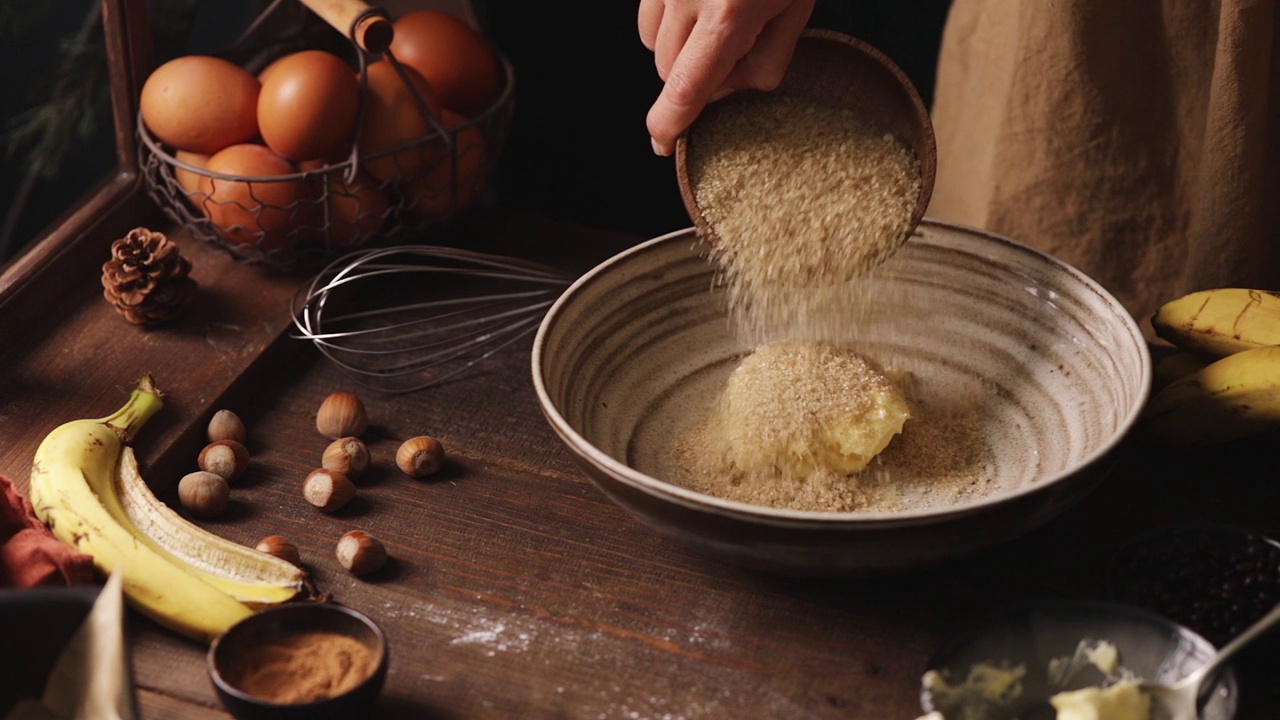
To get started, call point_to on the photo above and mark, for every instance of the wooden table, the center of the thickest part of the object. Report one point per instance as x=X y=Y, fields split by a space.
x=518 y=590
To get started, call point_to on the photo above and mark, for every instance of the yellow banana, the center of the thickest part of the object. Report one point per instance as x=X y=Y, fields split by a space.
x=86 y=488
x=1176 y=366
x=1218 y=322
x=1235 y=397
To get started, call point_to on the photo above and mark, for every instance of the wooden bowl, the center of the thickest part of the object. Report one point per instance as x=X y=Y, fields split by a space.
x=228 y=652
x=844 y=71
x=1056 y=368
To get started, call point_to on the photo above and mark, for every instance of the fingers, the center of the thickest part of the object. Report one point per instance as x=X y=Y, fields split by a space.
x=649 y=20
x=673 y=34
x=697 y=72
x=765 y=64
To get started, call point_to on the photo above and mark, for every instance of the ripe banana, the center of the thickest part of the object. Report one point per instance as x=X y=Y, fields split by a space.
x=1216 y=323
x=1235 y=397
x=80 y=490
x=1175 y=366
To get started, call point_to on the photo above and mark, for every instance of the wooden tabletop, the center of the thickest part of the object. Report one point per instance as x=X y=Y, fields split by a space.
x=517 y=589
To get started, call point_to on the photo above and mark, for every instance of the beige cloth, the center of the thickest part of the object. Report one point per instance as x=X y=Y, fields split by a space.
x=1138 y=140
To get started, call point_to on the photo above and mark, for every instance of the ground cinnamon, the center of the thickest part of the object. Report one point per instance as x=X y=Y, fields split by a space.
x=302 y=667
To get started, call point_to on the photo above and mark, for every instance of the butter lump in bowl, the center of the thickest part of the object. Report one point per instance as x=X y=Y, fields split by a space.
x=797 y=407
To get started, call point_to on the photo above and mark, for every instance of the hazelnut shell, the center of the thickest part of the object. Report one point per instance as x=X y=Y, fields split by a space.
x=360 y=553
x=328 y=490
x=204 y=494
x=280 y=547
x=226 y=425
x=341 y=414
x=420 y=456
x=348 y=455
x=227 y=458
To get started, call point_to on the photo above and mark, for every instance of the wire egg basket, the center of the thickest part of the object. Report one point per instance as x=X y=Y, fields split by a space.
x=326 y=208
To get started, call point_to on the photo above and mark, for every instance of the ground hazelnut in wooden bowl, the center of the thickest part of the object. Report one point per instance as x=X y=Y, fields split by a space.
x=1020 y=375
x=839 y=160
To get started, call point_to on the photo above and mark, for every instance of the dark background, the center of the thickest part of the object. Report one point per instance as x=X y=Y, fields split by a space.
x=578 y=149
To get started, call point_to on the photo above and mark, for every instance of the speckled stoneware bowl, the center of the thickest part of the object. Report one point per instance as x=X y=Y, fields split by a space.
x=1053 y=366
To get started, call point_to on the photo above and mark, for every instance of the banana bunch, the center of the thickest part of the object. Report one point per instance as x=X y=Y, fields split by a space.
x=1224 y=384
x=86 y=486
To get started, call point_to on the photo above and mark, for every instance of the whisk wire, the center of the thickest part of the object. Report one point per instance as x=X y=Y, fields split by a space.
x=390 y=338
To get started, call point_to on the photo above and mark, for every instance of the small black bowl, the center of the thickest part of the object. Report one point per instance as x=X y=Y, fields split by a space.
x=229 y=650
x=1214 y=578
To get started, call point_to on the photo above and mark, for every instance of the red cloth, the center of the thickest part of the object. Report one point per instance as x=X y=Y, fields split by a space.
x=29 y=553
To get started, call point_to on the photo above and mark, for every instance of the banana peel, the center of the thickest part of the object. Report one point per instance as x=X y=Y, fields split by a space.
x=171 y=570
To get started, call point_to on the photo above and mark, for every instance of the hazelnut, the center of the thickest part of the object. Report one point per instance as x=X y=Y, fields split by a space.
x=227 y=458
x=204 y=493
x=280 y=547
x=348 y=455
x=360 y=553
x=420 y=456
x=341 y=415
x=328 y=490
x=226 y=425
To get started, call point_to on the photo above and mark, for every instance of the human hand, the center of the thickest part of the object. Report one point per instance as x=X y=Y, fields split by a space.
x=705 y=48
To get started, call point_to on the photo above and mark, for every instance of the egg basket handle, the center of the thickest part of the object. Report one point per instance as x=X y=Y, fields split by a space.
x=369 y=27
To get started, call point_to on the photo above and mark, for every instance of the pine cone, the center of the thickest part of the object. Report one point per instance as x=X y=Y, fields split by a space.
x=146 y=278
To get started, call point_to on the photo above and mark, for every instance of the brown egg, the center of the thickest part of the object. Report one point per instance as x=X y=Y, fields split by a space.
x=307 y=106
x=452 y=56
x=440 y=193
x=200 y=103
x=265 y=72
x=392 y=118
x=261 y=213
x=357 y=210
x=187 y=180
x=353 y=212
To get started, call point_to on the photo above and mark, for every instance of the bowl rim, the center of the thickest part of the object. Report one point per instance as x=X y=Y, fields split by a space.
x=733 y=508
x=223 y=685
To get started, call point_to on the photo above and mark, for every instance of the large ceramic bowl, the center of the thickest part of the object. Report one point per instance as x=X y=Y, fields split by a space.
x=1053 y=365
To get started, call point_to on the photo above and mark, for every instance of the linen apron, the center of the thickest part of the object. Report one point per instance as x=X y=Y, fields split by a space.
x=1138 y=140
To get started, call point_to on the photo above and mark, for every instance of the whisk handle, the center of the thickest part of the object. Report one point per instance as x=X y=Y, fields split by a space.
x=372 y=31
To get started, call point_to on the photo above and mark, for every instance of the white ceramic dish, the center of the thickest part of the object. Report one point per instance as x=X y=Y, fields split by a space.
x=1057 y=370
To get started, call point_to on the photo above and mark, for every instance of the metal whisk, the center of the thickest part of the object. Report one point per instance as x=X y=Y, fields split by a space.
x=399 y=319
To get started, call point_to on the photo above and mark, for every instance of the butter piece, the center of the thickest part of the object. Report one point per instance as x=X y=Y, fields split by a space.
x=1122 y=701
x=1105 y=657
x=803 y=407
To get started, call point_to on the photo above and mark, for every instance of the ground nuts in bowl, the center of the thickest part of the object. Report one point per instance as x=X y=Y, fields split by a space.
x=1046 y=370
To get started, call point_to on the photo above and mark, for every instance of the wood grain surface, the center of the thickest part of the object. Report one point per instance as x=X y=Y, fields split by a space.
x=518 y=590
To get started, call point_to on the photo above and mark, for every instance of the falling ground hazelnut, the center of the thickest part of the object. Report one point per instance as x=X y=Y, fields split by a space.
x=360 y=553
